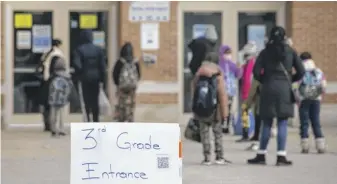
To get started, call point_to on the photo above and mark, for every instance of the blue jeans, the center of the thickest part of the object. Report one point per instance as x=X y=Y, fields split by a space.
x=282 y=133
x=309 y=111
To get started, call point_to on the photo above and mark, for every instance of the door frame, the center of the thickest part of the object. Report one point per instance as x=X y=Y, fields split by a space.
x=229 y=35
x=60 y=12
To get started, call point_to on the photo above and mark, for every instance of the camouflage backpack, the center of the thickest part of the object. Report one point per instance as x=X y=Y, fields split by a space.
x=128 y=77
x=59 y=91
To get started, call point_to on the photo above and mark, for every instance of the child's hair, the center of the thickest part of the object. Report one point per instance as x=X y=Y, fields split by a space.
x=212 y=57
x=60 y=64
x=305 y=56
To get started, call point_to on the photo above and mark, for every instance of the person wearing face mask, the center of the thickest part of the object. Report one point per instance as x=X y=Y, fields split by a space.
x=232 y=72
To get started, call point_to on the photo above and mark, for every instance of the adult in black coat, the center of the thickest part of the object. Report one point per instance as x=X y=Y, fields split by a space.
x=272 y=68
x=201 y=46
x=90 y=68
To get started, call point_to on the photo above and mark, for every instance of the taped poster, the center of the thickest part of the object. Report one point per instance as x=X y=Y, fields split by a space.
x=88 y=21
x=99 y=38
x=200 y=29
x=23 y=20
x=42 y=38
x=257 y=33
x=149 y=34
x=23 y=40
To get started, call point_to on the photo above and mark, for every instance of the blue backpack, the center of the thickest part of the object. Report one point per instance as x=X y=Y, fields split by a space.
x=311 y=85
x=205 y=98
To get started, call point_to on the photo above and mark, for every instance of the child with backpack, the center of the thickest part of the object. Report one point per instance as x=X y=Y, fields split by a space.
x=310 y=90
x=232 y=72
x=126 y=75
x=210 y=106
x=60 y=91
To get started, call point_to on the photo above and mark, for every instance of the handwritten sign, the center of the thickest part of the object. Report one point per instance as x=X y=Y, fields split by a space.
x=125 y=153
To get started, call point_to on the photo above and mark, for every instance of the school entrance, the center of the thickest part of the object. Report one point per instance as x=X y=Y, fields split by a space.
x=235 y=23
x=30 y=28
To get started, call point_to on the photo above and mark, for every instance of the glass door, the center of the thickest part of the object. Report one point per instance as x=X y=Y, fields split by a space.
x=33 y=33
x=80 y=20
x=195 y=24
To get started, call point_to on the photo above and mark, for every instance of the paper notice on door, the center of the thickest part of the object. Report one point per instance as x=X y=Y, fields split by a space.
x=23 y=20
x=88 y=21
x=199 y=30
x=99 y=38
x=42 y=39
x=257 y=34
x=149 y=34
x=23 y=40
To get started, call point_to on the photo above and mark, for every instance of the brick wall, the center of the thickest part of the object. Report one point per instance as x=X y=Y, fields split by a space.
x=166 y=67
x=313 y=28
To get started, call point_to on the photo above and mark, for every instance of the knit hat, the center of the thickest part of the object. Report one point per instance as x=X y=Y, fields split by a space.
x=250 y=48
x=211 y=34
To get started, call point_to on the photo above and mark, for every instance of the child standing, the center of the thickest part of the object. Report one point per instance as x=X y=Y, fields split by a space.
x=311 y=88
x=254 y=98
x=232 y=72
x=210 y=106
x=60 y=91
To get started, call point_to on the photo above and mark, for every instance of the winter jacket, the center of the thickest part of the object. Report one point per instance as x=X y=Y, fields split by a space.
x=310 y=65
x=247 y=78
x=89 y=60
x=231 y=71
x=127 y=54
x=208 y=69
x=48 y=60
x=276 y=92
x=200 y=47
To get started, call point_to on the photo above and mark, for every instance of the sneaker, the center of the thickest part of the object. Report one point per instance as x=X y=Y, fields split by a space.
x=282 y=161
x=206 y=162
x=260 y=159
x=62 y=134
x=253 y=147
x=53 y=134
x=242 y=140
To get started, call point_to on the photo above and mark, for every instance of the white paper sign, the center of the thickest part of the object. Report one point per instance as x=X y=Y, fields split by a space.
x=149 y=11
x=42 y=40
x=125 y=153
x=257 y=33
x=149 y=34
x=99 y=38
x=23 y=39
x=200 y=30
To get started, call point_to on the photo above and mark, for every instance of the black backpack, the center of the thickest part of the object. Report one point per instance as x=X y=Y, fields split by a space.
x=205 y=98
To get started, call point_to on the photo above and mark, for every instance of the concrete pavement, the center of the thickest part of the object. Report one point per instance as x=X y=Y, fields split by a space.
x=30 y=156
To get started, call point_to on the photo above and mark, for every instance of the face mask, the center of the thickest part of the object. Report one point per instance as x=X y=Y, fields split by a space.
x=227 y=57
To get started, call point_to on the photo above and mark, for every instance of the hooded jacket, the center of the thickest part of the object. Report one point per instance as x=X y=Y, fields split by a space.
x=89 y=60
x=208 y=69
x=231 y=71
x=310 y=65
x=200 y=47
x=126 y=53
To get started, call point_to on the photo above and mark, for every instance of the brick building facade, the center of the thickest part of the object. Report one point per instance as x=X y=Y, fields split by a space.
x=312 y=26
